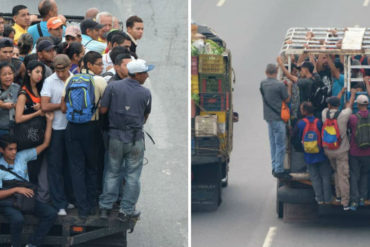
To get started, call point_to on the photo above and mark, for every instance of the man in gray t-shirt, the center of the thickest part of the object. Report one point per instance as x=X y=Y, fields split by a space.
x=273 y=93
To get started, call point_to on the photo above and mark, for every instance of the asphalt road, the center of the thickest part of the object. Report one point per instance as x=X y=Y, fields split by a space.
x=164 y=197
x=254 y=31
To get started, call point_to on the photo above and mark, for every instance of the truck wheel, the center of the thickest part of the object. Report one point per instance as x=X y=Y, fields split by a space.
x=225 y=175
x=279 y=204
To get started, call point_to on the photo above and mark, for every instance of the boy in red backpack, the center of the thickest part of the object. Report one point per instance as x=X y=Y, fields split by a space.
x=336 y=144
x=309 y=130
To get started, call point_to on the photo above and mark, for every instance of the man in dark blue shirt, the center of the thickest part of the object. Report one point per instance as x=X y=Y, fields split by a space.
x=128 y=105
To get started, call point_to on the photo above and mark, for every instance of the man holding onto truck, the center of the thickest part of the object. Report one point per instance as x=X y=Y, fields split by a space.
x=359 y=152
x=273 y=93
x=338 y=154
x=128 y=105
x=17 y=162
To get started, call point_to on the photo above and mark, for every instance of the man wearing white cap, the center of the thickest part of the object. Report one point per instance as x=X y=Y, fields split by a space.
x=359 y=152
x=128 y=105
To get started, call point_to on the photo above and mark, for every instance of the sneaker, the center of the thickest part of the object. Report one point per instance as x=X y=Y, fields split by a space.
x=125 y=217
x=362 y=202
x=62 y=212
x=70 y=206
x=30 y=245
x=320 y=203
x=104 y=213
x=353 y=206
x=283 y=175
x=346 y=208
x=338 y=199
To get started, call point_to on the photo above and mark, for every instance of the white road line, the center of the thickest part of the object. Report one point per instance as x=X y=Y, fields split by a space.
x=366 y=3
x=269 y=237
x=221 y=2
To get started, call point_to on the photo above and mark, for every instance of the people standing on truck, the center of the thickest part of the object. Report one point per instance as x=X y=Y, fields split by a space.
x=359 y=152
x=47 y=10
x=309 y=131
x=25 y=44
x=2 y=22
x=323 y=69
x=75 y=51
x=82 y=139
x=46 y=54
x=120 y=67
x=117 y=39
x=135 y=30
x=274 y=93
x=17 y=162
x=29 y=106
x=6 y=54
x=91 y=13
x=58 y=172
x=90 y=34
x=337 y=72
x=113 y=54
x=22 y=20
x=338 y=153
x=128 y=105
x=73 y=34
x=55 y=28
x=8 y=98
x=106 y=20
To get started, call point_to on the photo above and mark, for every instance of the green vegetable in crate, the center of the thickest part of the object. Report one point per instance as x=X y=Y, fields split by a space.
x=194 y=50
x=213 y=48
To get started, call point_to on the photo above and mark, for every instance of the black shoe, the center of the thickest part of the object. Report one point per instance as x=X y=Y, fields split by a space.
x=273 y=173
x=283 y=175
x=126 y=217
x=104 y=213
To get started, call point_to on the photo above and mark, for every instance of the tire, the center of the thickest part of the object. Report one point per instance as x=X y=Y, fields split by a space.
x=225 y=181
x=279 y=209
x=225 y=174
x=116 y=240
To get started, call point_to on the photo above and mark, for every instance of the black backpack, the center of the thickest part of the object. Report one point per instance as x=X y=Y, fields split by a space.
x=319 y=93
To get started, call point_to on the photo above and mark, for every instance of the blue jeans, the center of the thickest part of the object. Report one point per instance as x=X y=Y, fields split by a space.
x=126 y=158
x=320 y=175
x=83 y=155
x=46 y=213
x=277 y=135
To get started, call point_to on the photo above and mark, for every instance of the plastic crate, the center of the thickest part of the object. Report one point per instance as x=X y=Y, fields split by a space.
x=211 y=64
x=206 y=125
x=194 y=65
x=214 y=101
x=221 y=119
x=207 y=145
x=212 y=83
x=194 y=84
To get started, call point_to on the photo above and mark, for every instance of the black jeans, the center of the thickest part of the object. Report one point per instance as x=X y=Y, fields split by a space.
x=46 y=213
x=359 y=168
x=58 y=172
x=82 y=155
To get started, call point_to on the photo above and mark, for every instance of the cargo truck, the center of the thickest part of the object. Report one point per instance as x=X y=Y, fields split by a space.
x=295 y=196
x=70 y=230
x=212 y=117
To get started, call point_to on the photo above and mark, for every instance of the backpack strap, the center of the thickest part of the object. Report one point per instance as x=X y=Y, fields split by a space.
x=336 y=114
x=39 y=29
x=2 y=167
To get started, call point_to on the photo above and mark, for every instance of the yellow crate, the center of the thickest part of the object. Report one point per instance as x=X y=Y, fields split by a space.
x=194 y=84
x=211 y=64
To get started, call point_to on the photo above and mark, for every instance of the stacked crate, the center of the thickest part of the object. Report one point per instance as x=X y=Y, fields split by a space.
x=214 y=100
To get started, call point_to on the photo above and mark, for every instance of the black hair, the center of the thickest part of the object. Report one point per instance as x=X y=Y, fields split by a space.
x=307 y=107
x=45 y=8
x=120 y=57
x=132 y=19
x=27 y=79
x=25 y=43
x=30 y=57
x=118 y=39
x=116 y=51
x=6 y=42
x=71 y=49
x=339 y=66
x=91 y=57
x=8 y=29
x=6 y=140
x=17 y=8
x=5 y=64
x=113 y=33
x=133 y=54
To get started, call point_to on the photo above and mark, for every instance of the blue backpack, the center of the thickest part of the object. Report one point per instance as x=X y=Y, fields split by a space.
x=80 y=98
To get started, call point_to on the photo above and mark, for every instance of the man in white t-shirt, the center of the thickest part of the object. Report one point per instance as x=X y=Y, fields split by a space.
x=51 y=95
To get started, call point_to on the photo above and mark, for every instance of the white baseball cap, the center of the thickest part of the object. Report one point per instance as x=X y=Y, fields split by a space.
x=362 y=100
x=138 y=66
